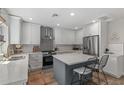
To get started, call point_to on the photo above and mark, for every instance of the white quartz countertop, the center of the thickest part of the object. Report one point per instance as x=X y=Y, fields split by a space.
x=23 y=53
x=72 y=58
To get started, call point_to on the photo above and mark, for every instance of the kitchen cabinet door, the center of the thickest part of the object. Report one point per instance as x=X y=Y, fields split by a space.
x=79 y=37
x=91 y=29
x=68 y=37
x=35 y=31
x=26 y=33
x=35 y=61
x=4 y=74
x=63 y=36
x=58 y=36
x=15 y=30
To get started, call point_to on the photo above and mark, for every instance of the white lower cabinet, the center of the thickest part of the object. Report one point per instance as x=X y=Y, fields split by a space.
x=18 y=71
x=115 y=66
x=35 y=61
x=3 y=73
x=14 y=71
x=30 y=33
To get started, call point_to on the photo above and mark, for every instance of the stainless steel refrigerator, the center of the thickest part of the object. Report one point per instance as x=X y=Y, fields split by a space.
x=91 y=45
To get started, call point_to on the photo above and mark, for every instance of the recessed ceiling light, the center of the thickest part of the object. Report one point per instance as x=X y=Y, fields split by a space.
x=72 y=14
x=93 y=21
x=76 y=28
x=30 y=18
x=58 y=24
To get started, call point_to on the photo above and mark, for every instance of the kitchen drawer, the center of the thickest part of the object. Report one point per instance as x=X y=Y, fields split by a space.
x=35 y=60
x=36 y=55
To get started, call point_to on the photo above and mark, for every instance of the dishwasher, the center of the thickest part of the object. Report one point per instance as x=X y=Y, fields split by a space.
x=35 y=61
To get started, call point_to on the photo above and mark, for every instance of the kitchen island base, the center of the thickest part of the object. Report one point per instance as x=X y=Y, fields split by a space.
x=63 y=73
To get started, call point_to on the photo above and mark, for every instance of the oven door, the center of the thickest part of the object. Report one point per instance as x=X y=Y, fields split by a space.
x=47 y=60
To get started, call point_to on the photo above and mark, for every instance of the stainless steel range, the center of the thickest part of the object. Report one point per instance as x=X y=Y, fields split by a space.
x=48 y=58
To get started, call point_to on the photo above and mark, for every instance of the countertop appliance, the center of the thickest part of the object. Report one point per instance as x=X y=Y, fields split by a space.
x=91 y=45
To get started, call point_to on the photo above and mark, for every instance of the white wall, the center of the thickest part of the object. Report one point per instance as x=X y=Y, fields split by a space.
x=103 y=37
x=116 y=31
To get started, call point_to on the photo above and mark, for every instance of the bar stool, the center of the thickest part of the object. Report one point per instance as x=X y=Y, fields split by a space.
x=83 y=71
x=100 y=65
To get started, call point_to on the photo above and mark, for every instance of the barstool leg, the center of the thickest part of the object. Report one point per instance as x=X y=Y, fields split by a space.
x=105 y=77
x=98 y=76
x=81 y=79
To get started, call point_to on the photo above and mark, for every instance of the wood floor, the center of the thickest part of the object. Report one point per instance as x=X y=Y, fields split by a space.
x=42 y=77
x=45 y=77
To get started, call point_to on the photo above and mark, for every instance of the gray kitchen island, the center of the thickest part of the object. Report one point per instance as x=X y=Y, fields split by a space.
x=64 y=64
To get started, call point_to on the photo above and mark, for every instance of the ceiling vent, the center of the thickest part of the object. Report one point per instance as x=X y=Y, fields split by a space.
x=55 y=15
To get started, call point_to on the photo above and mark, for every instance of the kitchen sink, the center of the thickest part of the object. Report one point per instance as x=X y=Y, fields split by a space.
x=16 y=58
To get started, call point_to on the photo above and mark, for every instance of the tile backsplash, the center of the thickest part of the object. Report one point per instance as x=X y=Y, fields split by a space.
x=28 y=47
x=60 y=47
x=64 y=47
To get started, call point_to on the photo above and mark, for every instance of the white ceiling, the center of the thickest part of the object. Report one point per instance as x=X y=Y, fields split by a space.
x=82 y=16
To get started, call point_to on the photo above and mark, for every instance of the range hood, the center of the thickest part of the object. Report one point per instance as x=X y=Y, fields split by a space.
x=2 y=20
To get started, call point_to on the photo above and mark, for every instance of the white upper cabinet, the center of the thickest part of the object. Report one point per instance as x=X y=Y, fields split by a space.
x=88 y=30
x=91 y=29
x=57 y=36
x=64 y=36
x=15 y=30
x=35 y=29
x=30 y=33
x=26 y=33
x=69 y=37
x=79 y=36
